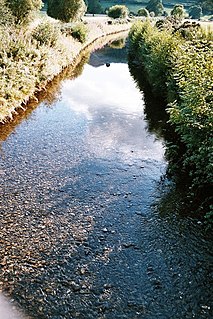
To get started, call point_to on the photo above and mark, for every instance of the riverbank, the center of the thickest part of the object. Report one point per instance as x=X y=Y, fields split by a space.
x=177 y=61
x=29 y=62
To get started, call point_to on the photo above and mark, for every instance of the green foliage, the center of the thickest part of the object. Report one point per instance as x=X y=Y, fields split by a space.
x=143 y=12
x=79 y=32
x=155 y=6
x=6 y=16
x=23 y=9
x=94 y=6
x=178 y=11
x=66 y=10
x=179 y=63
x=46 y=33
x=207 y=6
x=154 y=50
x=118 y=11
x=195 y=12
x=192 y=114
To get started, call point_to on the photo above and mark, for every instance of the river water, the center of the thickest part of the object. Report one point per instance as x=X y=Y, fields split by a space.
x=85 y=231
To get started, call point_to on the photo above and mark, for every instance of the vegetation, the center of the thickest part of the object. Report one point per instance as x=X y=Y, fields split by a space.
x=33 y=53
x=66 y=10
x=207 y=6
x=29 y=56
x=178 y=63
x=46 y=33
x=195 y=12
x=178 y=11
x=143 y=12
x=79 y=32
x=118 y=11
x=6 y=16
x=94 y=6
x=22 y=9
x=155 y=6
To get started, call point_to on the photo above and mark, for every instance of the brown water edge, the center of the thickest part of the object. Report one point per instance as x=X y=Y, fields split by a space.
x=44 y=86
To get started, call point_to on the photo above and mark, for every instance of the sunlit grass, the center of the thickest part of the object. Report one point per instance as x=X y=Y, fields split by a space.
x=31 y=56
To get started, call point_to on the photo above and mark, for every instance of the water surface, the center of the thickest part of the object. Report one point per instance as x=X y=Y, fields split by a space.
x=81 y=232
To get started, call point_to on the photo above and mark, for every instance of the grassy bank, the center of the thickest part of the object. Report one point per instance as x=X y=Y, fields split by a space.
x=178 y=62
x=31 y=57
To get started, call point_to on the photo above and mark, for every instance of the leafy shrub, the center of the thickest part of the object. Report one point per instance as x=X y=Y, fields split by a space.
x=118 y=11
x=79 y=32
x=155 y=6
x=46 y=33
x=66 y=10
x=154 y=49
x=143 y=12
x=22 y=9
x=94 y=6
x=178 y=11
x=6 y=16
x=195 y=12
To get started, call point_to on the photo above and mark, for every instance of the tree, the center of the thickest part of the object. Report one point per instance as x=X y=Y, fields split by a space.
x=155 y=6
x=22 y=9
x=66 y=10
x=118 y=11
x=94 y=6
x=195 y=12
x=143 y=12
x=178 y=11
x=207 y=6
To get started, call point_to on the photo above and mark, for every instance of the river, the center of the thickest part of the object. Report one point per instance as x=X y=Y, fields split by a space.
x=85 y=231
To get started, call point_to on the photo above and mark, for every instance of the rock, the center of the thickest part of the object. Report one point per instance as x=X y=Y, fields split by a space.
x=75 y=287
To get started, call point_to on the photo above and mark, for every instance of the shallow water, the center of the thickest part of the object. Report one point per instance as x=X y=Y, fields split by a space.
x=83 y=233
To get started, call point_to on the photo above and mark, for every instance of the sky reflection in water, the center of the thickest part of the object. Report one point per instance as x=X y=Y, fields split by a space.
x=108 y=100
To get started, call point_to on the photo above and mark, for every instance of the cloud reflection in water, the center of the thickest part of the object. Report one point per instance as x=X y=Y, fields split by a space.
x=107 y=98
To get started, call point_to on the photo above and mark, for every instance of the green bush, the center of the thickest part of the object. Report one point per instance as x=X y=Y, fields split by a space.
x=94 y=6
x=22 y=9
x=46 y=33
x=154 y=50
x=195 y=12
x=155 y=6
x=66 y=10
x=79 y=32
x=143 y=12
x=6 y=16
x=118 y=11
x=178 y=11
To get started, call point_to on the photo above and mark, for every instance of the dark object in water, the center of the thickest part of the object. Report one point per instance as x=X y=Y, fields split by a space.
x=107 y=64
